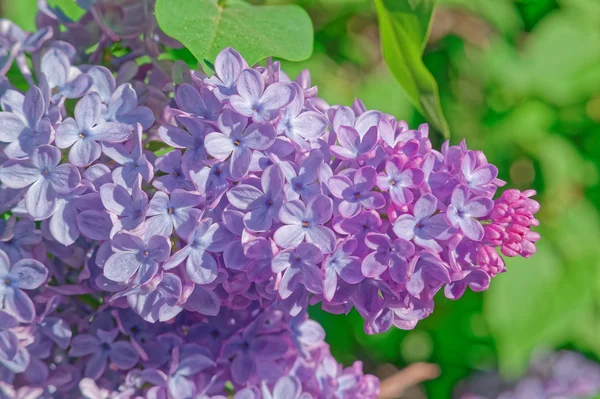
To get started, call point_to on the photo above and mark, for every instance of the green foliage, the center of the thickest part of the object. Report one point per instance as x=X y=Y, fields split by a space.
x=404 y=27
x=68 y=7
x=257 y=32
x=22 y=12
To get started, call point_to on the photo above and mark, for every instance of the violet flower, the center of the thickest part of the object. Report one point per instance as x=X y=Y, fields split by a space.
x=356 y=195
x=26 y=274
x=305 y=222
x=84 y=132
x=237 y=140
x=44 y=178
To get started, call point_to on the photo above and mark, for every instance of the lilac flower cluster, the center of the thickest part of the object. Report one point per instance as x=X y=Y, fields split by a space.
x=132 y=182
x=560 y=375
x=255 y=352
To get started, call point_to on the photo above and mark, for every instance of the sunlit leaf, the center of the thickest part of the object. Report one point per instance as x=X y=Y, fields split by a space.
x=402 y=43
x=205 y=27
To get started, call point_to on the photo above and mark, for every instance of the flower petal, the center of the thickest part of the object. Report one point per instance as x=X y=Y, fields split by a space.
x=40 y=199
x=19 y=304
x=28 y=274
x=204 y=301
x=289 y=236
x=201 y=267
x=121 y=266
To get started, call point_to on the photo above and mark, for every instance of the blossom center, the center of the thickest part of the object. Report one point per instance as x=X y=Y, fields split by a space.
x=305 y=224
x=357 y=195
x=7 y=281
x=176 y=173
x=81 y=135
x=171 y=211
x=237 y=143
x=55 y=90
x=392 y=182
x=145 y=253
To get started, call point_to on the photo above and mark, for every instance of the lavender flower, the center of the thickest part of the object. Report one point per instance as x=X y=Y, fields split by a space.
x=256 y=102
x=84 y=132
x=262 y=206
x=26 y=274
x=44 y=178
x=356 y=195
x=134 y=257
x=306 y=222
x=102 y=347
x=200 y=266
x=238 y=140
x=26 y=128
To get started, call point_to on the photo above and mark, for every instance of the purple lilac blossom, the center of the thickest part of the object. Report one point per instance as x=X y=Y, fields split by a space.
x=165 y=236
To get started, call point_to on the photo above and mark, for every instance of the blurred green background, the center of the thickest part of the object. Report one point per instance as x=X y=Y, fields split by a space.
x=521 y=81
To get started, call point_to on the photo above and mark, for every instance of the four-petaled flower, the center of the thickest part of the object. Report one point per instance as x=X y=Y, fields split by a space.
x=129 y=208
x=134 y=257
x=306 y=222
x=200 y=265
x=256 y=102
x=299 y=266
x=341 y=263
x=463 y=212
x=238 y=139
x=352 y=144
x=26 y=128
x=178 y=212
x=399 y=179
x=26 y=274
x=262 y=206
x=103 y=347
x=45 y=178
x=424 y=227
x=356 y=195
x=387 y=253
x=84 y=132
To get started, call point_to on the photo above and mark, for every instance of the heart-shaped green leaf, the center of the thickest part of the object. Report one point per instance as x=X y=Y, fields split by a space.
x=205 y=27
x=404 y=28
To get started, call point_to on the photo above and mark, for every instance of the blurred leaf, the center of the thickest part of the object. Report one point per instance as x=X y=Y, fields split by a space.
x=503 y=14
x=402 y=52
x=540 y=301
x=415 y=17
x=21 y=12
x=533 y=304
x=257 y=32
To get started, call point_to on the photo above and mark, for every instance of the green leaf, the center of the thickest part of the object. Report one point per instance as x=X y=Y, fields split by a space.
x=543 y=301
x=68 y=7
x=404 y=27
x=415 y=17
x=20 y=12
x=205 y=27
